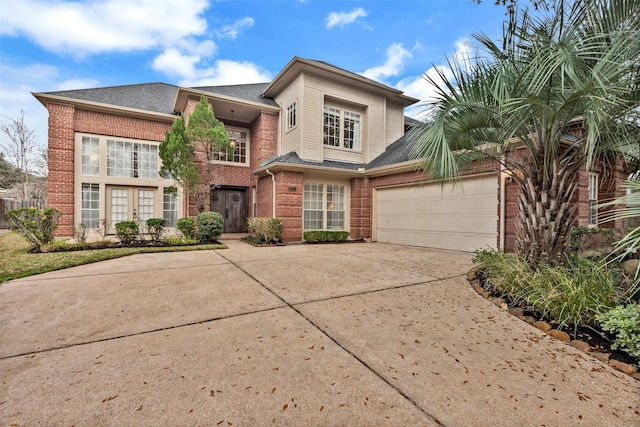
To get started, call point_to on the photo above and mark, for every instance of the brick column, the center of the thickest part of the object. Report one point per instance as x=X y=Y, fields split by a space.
x=361 y=214
x=289 y=191
x=61 y=165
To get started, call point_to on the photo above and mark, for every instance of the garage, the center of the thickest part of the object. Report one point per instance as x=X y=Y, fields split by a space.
x=463 y=217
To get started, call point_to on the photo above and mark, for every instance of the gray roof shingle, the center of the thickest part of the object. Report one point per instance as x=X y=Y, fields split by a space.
x=249 y=92
x=292 y=158
x=397 y=152
x=156 y=97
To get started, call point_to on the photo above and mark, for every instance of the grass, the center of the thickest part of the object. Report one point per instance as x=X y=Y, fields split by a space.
x=17 y=262
x=573 y=293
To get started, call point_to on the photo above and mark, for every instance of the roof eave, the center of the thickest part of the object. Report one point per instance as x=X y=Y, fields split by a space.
x=45 y=98
x=183 y=95
x=274 y=87
x=394 y=168
x=279 y=166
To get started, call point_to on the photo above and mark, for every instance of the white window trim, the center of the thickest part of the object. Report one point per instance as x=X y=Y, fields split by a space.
x=293 y=108
x=247 y=148
x=325 y=202
x=342 y=111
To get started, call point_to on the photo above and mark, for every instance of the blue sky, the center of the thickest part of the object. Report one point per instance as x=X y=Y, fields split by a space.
x=50 y=45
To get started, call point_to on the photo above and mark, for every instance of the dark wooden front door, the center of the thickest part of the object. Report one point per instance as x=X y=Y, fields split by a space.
x=232 y=204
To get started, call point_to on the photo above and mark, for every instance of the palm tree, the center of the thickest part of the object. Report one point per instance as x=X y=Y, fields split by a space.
x=563 y=89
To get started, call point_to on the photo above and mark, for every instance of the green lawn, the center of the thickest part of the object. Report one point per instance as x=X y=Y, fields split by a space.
x=16 y=261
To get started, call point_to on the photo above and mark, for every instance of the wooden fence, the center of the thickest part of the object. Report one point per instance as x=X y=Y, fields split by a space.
x=7 y=205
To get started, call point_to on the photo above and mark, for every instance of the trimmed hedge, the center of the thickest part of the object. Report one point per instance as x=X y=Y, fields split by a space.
x=187 y=227
x=313 y=236
x=209 y=226
x=155 y=227
x=127 y=231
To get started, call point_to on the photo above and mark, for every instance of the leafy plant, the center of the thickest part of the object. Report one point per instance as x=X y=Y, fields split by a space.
x=624 y=323
x=209 y=226
x=155 y=227
x=80 y=232
x=35 y=225
x=572 y=293
x=127 y=231
x=313 y=236
x=187 y=228
x=266 y=229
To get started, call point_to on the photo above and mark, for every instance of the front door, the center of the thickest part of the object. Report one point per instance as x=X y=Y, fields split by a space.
x=231 y=203
x=129 y=204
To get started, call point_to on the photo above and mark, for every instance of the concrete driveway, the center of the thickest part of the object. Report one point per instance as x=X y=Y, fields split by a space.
x=301 y=335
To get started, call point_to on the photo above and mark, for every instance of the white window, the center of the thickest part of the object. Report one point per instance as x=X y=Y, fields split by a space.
x=90 y=156
x=341 y=128
x=291 y=115
x=239 y=138
x=313 y=206
x=145 y=205
x=169 y=208
x=593 y=199
x=119 y=205
x=324 y=207
x=132 y=160
x=335 y=207
x=91 y=205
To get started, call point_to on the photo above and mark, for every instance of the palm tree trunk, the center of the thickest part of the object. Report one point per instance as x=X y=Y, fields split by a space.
x=545 y=212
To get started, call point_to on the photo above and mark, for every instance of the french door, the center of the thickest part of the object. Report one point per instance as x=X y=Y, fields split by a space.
x=130 y=204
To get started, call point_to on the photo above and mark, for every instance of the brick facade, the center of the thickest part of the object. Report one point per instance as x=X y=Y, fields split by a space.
x=61 y=165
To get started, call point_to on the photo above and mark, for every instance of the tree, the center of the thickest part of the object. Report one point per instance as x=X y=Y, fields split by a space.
x=204 y=135
x=178 y=157
x=9 y=175
x=575 y=64
x=20 y=148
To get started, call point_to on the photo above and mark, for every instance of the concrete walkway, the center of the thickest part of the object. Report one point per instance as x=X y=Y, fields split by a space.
x=300 y=335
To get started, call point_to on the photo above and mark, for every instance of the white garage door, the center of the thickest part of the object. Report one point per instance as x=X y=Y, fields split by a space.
x=462 y=218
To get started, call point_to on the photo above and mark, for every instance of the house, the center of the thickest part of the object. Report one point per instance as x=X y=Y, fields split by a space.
x=319 y=147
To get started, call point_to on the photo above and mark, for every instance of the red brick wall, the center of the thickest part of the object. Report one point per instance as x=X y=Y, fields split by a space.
x=361 y=213
x=289 y=191
x=265 y=197
x=264 y=145
x=61 y=167
x=121 y=126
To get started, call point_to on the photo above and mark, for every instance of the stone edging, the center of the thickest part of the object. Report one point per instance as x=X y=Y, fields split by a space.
x=583 y=346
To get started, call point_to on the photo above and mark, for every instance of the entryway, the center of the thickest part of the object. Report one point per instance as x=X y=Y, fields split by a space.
x=129 y=204
x=231 y=203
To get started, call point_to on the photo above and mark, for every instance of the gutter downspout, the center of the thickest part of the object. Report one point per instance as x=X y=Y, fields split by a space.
x=503 y=207
x=273 y=202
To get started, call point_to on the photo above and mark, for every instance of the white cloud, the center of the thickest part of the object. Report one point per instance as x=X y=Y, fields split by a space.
x=232 y=31
x=226 y=72
x=419 y=87
x=82 y=28
x=344 y=18
x=396 y=55
x=182 y=61
x=16 y=86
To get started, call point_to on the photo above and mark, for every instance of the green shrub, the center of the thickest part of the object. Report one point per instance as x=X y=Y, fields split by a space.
x=127 y=231
x=573 y=293
x=624 y=324
x=35 y=225
x=209 y=226
x=313 y=236
x=266 y=229
x=155 y=227
x=187 y=227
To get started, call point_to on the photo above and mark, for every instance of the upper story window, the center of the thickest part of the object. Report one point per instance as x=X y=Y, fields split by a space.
x=90 y=156
x=132 y=159
x=291 y=115
x=341 y=128
x=238 y=139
